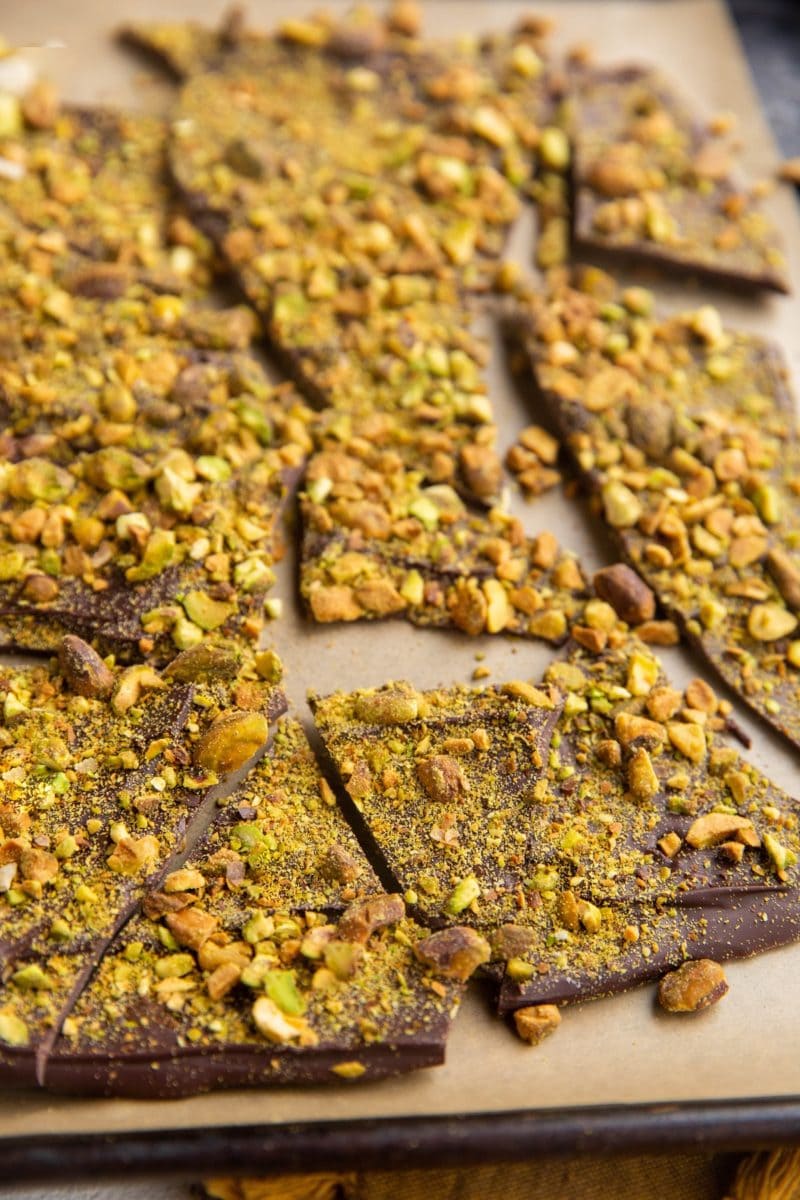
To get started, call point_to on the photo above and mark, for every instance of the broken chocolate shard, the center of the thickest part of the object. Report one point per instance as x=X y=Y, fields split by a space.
x=651 y=184
x=444 y=782
x=637 y=840
x=295 y=847
x=377 y=542
x=185 y=456
x=701 y=494
x=100 y=793
x=95 y=197
x=233 y=979
x=666 y=846
x=183 y=1026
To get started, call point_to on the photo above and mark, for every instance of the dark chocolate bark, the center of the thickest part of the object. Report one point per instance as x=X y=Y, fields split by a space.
x=443 y=783
x=638 y=839
x=377 y=542
x=659 y=842
x=104 y=773
x=652 y=184
x=686 y=433
x=93 y=183
x=147 y=461
x=143 y=1032
x=229 y=978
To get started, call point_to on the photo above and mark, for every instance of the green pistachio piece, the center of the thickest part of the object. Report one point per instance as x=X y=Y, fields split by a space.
x=343 y=958
x=282 y=990
x=38 y=479
x=213 y=468
x=256 y=971
x=32 y=979
x=174 y=966
x=249 y=836
x=206 y=612
x=253 y=574
x=462 y=895
x=185 y=634
x=159 y=553
x=260 y=926
x=269 y=666
x=13 y=1030
x=114 y=467
x=425 y=511
x=12 y=564
x=176 y=493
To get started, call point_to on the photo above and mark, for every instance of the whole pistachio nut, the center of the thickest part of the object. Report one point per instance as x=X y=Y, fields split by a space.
x=83 y=669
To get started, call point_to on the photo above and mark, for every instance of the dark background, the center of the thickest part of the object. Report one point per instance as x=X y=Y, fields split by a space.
x=770 y=31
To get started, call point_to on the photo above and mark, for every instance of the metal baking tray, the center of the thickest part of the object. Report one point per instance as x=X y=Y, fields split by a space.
x=618 y=1077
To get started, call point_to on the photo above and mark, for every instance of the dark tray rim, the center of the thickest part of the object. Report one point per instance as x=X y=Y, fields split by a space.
x=398 y=1142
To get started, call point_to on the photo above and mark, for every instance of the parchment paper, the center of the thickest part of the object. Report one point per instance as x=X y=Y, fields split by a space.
x=606 y=1052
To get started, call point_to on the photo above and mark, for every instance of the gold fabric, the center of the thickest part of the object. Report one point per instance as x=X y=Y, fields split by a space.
x=773 y=1176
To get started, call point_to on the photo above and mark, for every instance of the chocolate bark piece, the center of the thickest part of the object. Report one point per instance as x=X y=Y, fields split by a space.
x=640 y=943
x=656 y=841
x=408 y=368
x=686 y=433
x=443 y=782
x=156 y=1022
x=147 y=463
x=377 y=542
x=94 y=182
x=280 y=840
x=66 y=763
x=409 y=204
x=99 y=792
x=229 y=976
x=651 y=183
x=358 y=303
x=361 y=285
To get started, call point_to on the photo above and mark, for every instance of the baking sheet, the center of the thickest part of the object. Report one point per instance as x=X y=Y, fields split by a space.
x=617 y=1051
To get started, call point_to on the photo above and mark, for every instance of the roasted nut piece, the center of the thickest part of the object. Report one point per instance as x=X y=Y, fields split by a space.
x=442 y=778
x=693 y=987
x=340 y=865
x=627 y=594
x=405 y=16
x=204 y=662
x=714 y=828
x=536 y=1023
x=83 y=669
x=130 y=685
x=513 y=941
x=631 y=728
x=786 y=576
x=388 y=708
x=361 y=920
x=455 y=953
x=231 y=741
x=191 y=927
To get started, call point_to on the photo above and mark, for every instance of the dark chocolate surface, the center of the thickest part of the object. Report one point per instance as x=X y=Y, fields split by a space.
x=651 y=184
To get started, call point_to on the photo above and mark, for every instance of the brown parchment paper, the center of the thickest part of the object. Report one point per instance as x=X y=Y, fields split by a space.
x=606 y=1052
